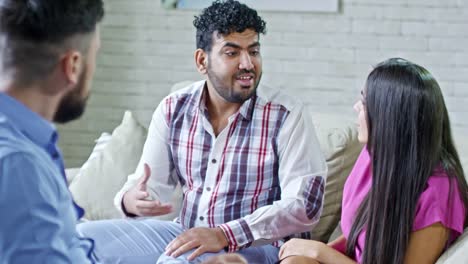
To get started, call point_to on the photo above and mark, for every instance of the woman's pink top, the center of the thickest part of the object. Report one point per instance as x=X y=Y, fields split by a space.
x=436 y=204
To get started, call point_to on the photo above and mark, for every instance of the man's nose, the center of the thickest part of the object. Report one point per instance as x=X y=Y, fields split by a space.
x=245 y=61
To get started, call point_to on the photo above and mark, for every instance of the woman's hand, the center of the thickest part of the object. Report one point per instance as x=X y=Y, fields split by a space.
x=302 y=247
x=315 y=250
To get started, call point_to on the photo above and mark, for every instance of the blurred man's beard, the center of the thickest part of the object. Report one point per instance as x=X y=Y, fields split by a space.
x=73 y=104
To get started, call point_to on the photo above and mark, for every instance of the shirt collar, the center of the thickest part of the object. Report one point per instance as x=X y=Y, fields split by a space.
x=246 y=109
x=35 y=127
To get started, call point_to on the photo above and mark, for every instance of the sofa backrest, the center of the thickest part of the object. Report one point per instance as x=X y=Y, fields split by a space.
x=340 y=146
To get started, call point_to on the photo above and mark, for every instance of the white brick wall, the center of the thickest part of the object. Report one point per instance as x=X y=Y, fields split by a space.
x=323 y=58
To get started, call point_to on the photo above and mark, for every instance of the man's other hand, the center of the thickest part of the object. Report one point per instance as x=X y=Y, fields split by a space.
x=204 y=239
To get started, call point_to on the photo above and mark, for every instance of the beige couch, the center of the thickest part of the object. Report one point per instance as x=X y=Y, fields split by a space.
x=115 y=156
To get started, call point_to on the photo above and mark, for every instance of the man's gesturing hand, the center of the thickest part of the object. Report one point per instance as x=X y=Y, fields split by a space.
x=203 y=238
x=136 y=200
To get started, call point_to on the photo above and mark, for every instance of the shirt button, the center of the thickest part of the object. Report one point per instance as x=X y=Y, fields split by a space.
x=201 y=218
x=208 y=189
x=213 y=161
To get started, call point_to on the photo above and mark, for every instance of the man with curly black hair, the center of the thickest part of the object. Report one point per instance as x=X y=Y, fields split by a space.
x=246 y=156
x=47 y=59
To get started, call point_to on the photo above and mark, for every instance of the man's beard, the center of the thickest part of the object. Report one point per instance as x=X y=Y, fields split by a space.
x=227 y=92
x=72 y=105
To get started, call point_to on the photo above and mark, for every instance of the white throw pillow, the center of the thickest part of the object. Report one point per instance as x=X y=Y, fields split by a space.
x=107 y=169
x=70 y=174
x=100 y=143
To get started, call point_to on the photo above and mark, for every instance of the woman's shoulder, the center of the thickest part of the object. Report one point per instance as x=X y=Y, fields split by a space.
x=440 y=202
x=440 y=187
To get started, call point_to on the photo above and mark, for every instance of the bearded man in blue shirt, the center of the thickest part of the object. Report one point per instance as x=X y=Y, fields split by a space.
x=47 y=59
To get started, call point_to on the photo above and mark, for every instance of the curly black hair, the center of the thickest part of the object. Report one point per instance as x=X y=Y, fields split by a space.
x=225 y=17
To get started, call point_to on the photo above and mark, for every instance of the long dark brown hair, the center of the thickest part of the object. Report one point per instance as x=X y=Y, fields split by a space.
x=409 y=137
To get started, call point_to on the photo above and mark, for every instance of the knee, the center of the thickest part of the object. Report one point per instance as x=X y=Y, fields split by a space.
x=82 y=228
x=88 y=228
x=299 y=260
x=163 y=258
x=227 y=259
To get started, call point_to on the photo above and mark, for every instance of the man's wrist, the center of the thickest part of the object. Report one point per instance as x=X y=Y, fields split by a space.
x=222 y=237
x=124 y=210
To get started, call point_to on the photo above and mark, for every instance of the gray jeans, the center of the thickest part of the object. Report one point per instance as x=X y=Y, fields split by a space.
x=141 y=241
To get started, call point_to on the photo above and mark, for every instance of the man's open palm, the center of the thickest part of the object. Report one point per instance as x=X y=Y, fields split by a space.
x=137 y=200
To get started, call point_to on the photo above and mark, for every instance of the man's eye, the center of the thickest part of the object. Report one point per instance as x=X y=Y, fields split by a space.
x=231 y=53
x=254 y=52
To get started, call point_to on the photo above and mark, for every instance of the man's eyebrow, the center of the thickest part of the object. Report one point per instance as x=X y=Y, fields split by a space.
x=234 y=45
x=255 y=44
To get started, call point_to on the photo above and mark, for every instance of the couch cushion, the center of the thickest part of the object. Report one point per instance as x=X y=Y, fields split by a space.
x=340 y=146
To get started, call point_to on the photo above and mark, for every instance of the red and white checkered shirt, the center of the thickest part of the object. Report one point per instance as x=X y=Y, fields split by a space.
x=260 y=179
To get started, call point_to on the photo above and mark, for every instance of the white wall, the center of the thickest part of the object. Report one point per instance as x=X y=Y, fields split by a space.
x=323 y=58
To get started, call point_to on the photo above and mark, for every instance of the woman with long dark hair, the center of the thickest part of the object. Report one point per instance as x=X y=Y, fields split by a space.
x=406 y=198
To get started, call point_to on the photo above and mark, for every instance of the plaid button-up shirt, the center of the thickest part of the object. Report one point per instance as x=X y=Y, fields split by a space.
x=260 y=179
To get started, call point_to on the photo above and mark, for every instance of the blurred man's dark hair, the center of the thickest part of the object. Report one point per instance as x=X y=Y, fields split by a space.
x=33 y=34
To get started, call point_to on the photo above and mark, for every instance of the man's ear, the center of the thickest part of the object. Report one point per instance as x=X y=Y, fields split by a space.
x=72 y=64
x=201 y=61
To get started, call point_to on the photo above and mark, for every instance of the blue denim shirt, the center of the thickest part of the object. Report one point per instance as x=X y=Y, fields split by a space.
x=38 y=215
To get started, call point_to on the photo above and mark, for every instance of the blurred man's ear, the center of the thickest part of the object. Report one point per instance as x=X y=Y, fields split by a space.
x=66 y=74
x=201 y=61
x=71 y=66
